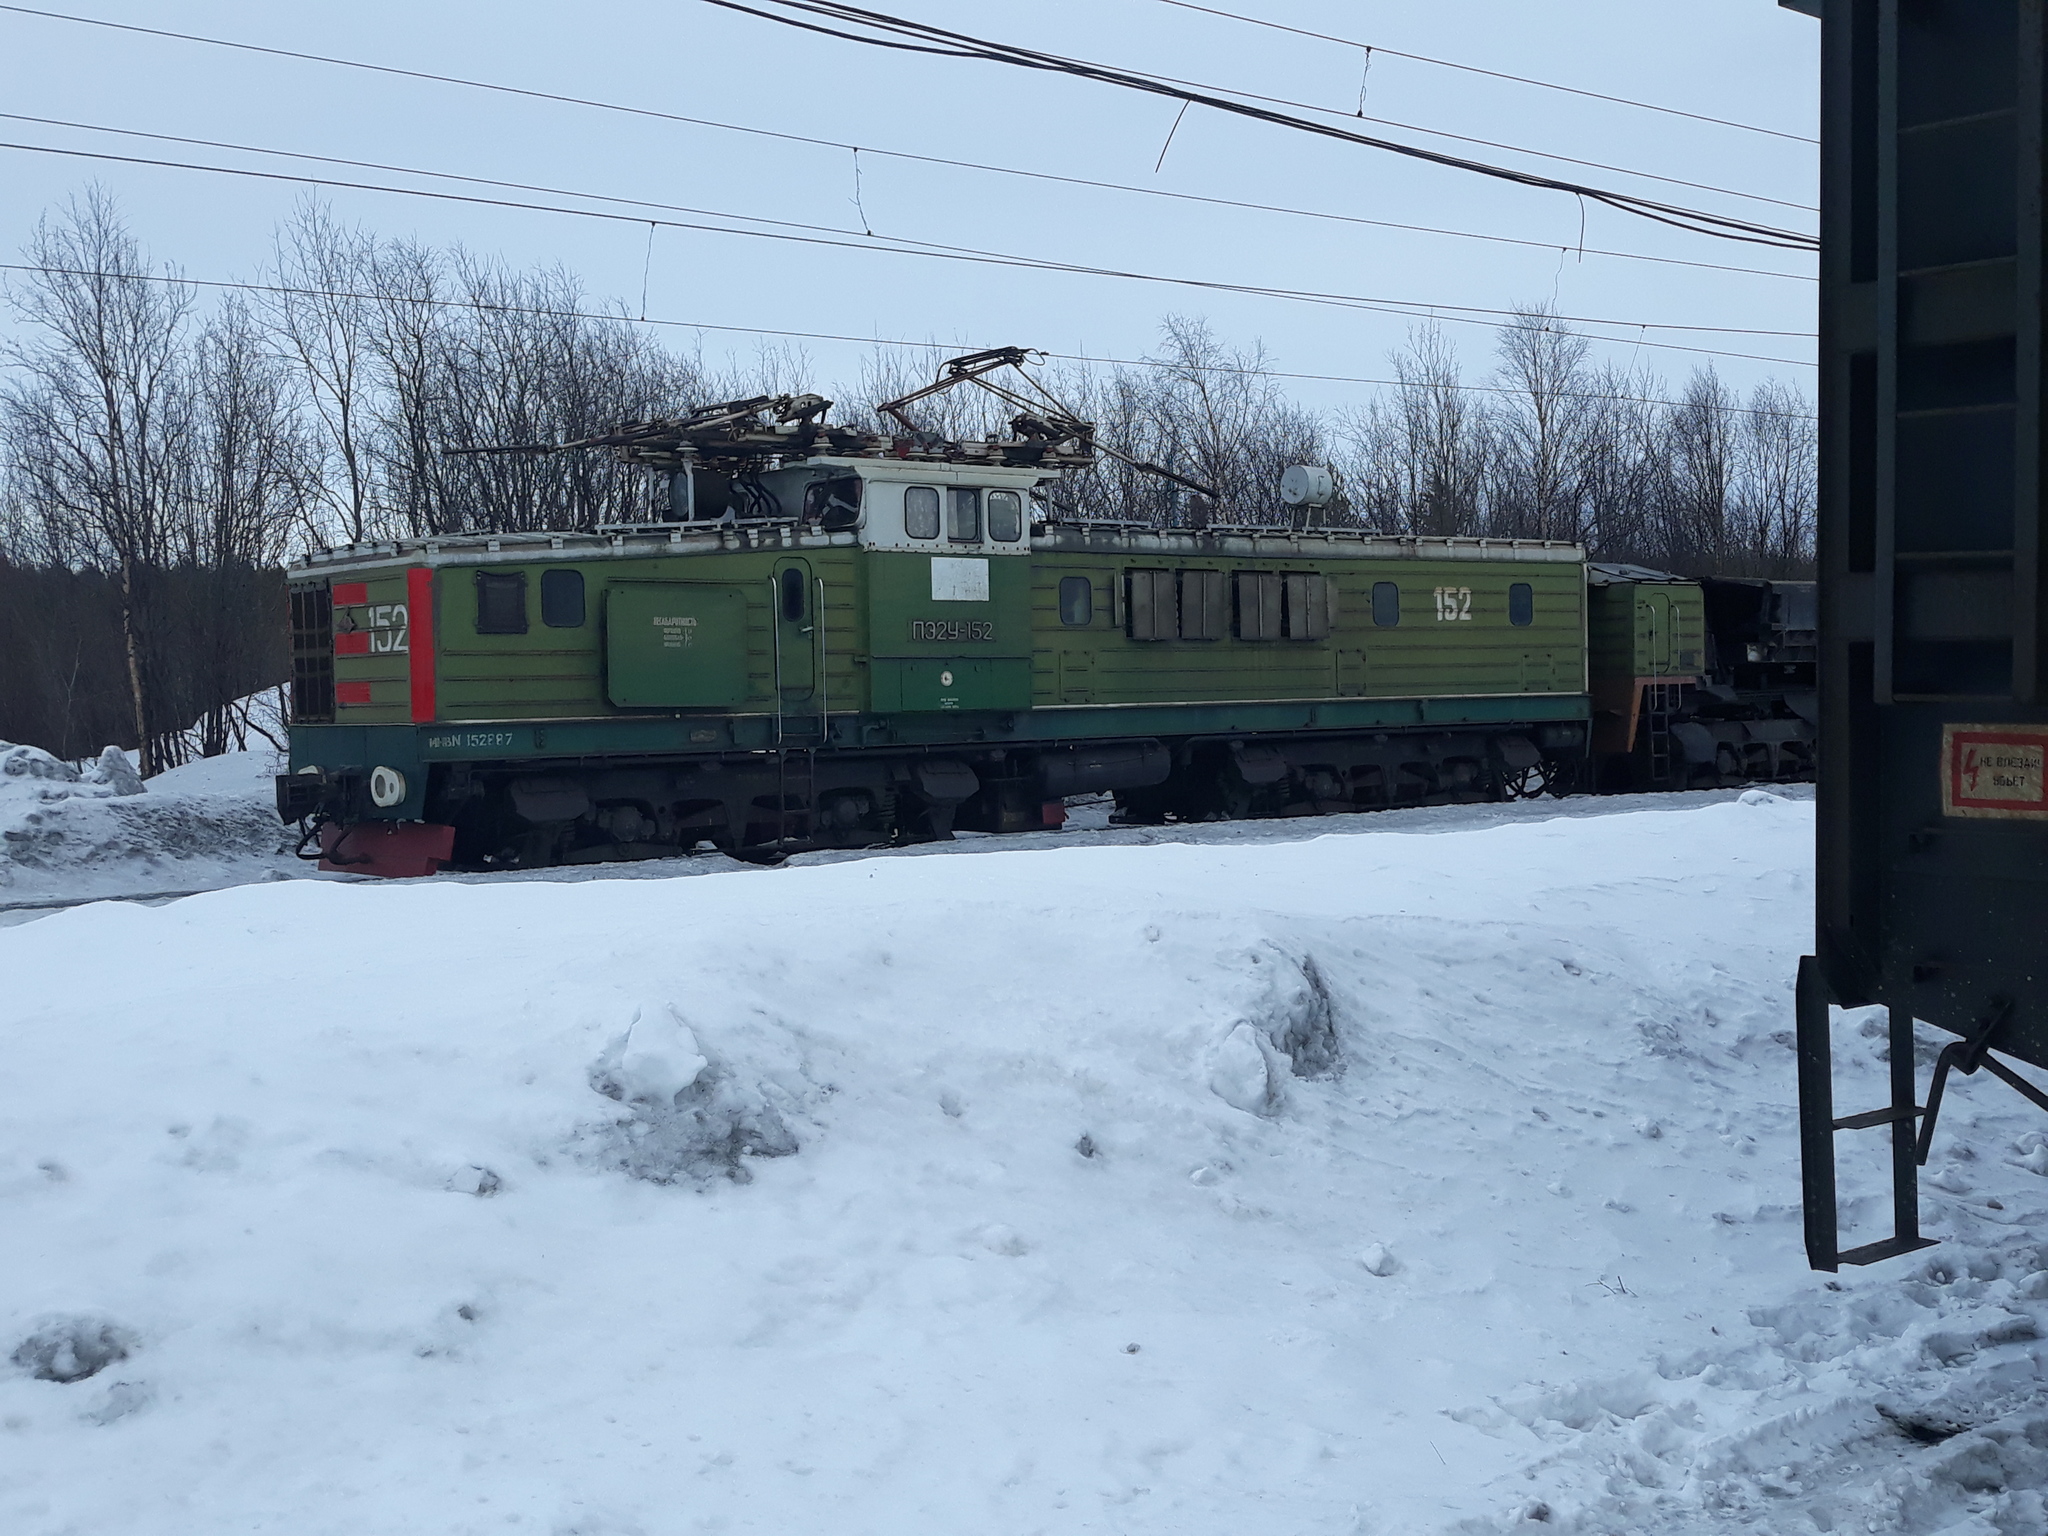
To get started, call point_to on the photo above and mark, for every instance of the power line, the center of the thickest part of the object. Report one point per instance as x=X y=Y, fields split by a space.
x=1409 y=309
x=1513 y=149
x=893 y=154
x=1306 y=106
x=1474 y=69
x=637 y=202
x=918 y=37
x=539 y=312
x=1101 y=72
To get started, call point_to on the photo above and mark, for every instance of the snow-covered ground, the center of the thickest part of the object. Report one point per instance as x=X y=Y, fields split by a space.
x=1381 y=1178
x=103 y=832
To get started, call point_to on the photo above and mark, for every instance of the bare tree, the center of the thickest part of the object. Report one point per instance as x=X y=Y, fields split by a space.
x=1213 y=414
x=251 y=464
x=93 y=421
x=410 y=282
x=1698 y=474
x=1447 y=437
x=321 y=314
x=1376 y=466
x=1777 y=469
x=1540 y=427
x=1622 y=467
x=530 y=362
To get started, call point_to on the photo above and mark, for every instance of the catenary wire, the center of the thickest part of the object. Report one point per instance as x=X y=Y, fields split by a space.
x=918 y=37
x=893 y=154
x=1407 y=309
x=1519 y=149
x=1497 y=74
x=288 y=290
x=637 y=202
x=1009 y=54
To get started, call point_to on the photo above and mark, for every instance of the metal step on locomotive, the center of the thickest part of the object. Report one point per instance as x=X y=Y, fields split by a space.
x=836 y=638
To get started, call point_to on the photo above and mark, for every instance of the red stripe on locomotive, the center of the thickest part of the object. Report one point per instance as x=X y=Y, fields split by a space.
x=419 y=608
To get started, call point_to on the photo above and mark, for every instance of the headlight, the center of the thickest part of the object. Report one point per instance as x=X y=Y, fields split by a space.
x=387 y=788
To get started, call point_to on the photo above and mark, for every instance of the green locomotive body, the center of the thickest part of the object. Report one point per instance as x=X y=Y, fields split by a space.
x=833 y=638
x=912 y=647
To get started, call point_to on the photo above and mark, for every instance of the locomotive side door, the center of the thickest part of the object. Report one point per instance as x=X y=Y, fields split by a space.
x=795 y=635
x=1657 y=619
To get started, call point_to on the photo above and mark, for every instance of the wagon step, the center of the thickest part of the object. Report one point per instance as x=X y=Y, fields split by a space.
x=1818 y=1126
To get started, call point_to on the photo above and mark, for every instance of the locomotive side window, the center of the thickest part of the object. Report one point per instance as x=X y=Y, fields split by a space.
x=793 y=595
x=1077 y=601
x=1204 y=605
x=1521 y=603
x=921 y=512
x=561 y=599
x=1386 y=604
x=963 y=515
x=1151 y=613
x=1258 y=605
x=1308 y=607
x=1005 y=516
x=500 y=603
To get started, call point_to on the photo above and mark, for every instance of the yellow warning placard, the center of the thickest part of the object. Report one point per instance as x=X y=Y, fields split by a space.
x=1995 y=770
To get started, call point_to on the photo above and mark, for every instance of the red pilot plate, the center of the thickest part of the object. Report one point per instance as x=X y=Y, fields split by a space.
x=1995 y=771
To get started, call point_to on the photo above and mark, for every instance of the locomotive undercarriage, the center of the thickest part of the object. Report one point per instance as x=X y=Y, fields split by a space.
x=770 y=804
x=1692 y=737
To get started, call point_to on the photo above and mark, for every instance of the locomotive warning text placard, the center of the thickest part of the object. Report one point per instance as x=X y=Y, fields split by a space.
x=1995 y=770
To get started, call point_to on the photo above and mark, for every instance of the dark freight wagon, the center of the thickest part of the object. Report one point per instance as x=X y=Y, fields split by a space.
x=1700 y=682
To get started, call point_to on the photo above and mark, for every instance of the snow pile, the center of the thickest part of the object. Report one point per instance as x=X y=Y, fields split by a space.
x=103 y=829
x=30 y=776
x=1372 y=1184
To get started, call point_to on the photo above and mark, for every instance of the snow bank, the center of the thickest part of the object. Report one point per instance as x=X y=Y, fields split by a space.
x=67 y=832
x=1361 y=1183
x=31 y=776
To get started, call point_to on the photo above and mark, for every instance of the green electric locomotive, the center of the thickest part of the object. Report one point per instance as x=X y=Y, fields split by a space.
x=837 y=638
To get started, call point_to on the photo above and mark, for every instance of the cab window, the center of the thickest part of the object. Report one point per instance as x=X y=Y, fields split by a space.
x=1005 y=516
x=921 y=512
x=963 y=515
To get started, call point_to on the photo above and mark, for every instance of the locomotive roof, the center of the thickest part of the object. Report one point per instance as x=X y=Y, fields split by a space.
x=1607 y=573
x=1119 y=539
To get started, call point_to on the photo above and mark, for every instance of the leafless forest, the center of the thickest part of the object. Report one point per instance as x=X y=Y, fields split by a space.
x=164 y=448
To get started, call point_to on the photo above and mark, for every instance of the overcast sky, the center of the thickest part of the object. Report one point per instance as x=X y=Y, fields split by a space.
x=1744 y=60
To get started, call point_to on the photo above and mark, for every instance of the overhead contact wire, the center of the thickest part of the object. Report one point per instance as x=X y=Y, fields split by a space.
x=894 y=154
x=1495 y=74
x=1408 y=309
x=918 y=37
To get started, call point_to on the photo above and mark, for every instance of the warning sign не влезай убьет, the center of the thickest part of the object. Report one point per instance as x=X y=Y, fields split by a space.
x=1995 y=770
